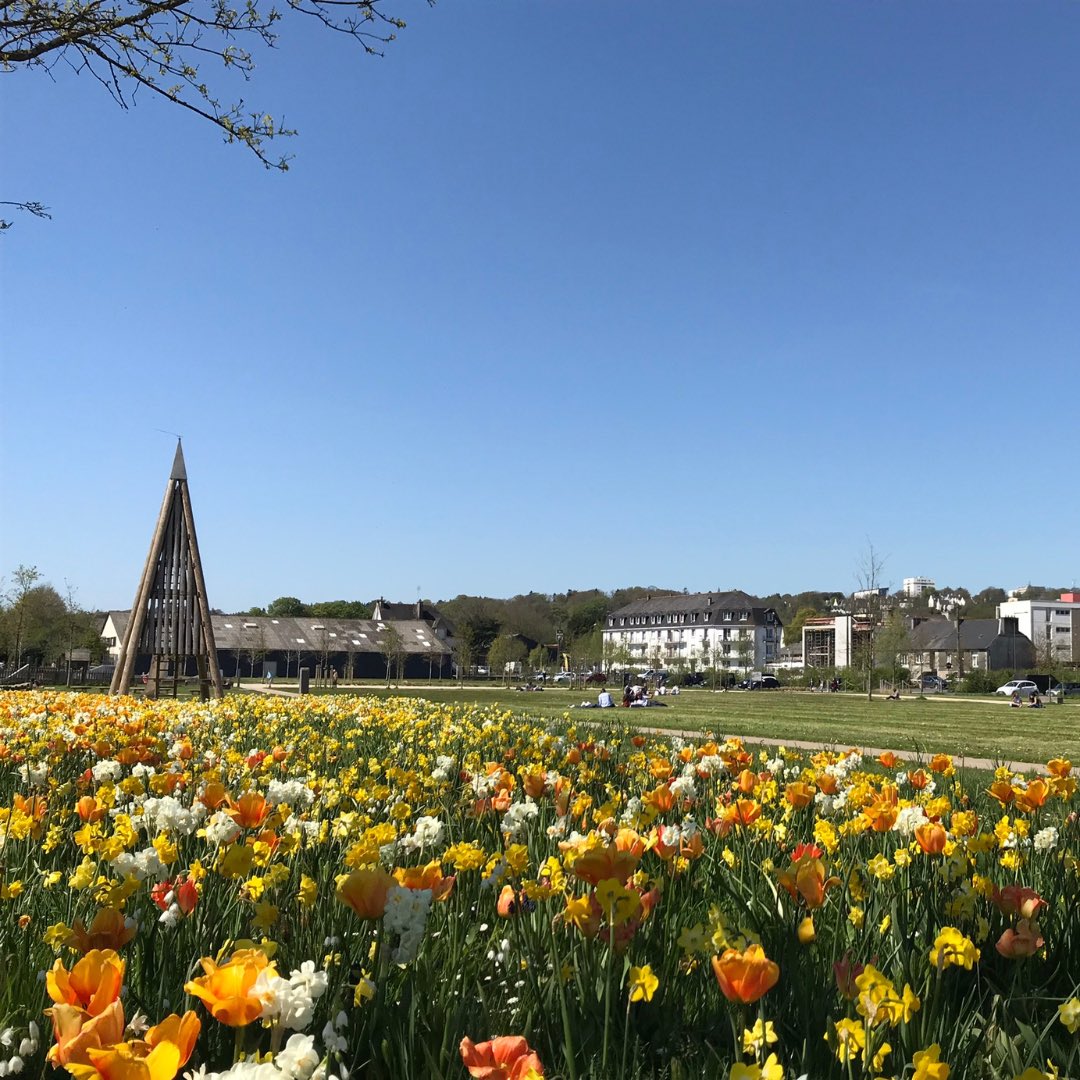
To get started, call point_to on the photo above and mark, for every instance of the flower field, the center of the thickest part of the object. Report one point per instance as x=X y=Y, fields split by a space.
x=393 y=888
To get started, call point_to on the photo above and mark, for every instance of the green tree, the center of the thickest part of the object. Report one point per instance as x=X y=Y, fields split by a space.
x=18 y=614
x=161 y=46
x=793 y=630
x=893 y=643
x=286 y=607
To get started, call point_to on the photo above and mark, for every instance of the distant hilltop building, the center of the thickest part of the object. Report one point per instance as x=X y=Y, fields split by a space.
x=916 y=586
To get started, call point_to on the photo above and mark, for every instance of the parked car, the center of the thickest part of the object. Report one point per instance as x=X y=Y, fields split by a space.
x=596 y=677
x=761 y=682
x=929 y=681
x=563 y=677
x=1023 y=687
x=693 y=678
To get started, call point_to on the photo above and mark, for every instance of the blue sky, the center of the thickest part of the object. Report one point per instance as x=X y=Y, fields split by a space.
x=562 y=295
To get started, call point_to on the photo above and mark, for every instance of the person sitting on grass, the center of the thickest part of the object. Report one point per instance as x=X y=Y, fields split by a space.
x=1036 y=701
x=604 y=700
x=895 y=695
x=1015 y=702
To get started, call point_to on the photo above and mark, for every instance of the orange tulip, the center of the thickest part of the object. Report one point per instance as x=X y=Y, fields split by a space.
x=881 y=815
x=509 y=1057
x=917 y=779
x=93 y=984
x=805 y=878
x=660 y=768
x=1033 y=796
x=605 y=863
x=365 y=891
x=629 y=841
x=746 y=781
x=1022 y=942
x=426 y=877
x=1018 y=900
x=889 y=759
x=249 y=811
x=75 y=1032
x=214 y=795
x=109 y=930
x=90 y=809
x=181 y=1031
x=660 y=799
x=227 y=991
x=1002 y=790
x=746 y=811
x=828 y=783
x=745 y=976
x=164 y=1052
x=1059 y=767
x=799 y=795
x=940 y=763
x=534 y=782
x=931 y=837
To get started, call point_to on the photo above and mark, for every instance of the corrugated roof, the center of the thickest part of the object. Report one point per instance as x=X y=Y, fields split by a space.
x=312 y=634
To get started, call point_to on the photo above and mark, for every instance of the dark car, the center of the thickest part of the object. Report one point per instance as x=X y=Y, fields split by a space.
x=596 y=677
x=929 y=681
x=763 y=682
x=694 y=678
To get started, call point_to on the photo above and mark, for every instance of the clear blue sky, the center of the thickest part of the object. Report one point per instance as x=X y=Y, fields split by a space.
x=560 y=295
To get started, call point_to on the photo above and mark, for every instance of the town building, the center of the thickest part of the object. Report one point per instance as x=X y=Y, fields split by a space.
x=251 y=646
x=1052 y=625
x=726 y=630
x=916 y=586
x=834 y=641
x=937 y=646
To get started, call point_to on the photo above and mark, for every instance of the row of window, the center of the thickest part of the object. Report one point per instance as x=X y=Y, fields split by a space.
x=679 y=619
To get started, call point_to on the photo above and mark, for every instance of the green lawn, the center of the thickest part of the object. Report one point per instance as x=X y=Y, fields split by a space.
x=978 y=727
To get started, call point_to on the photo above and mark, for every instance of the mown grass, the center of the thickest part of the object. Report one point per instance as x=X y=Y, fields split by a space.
x=979 y=727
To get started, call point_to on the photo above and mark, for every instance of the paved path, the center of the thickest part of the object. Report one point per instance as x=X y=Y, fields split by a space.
x=984 y=764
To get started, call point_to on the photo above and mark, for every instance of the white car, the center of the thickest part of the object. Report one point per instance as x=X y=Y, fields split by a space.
x=1023 y=687
x=564 y=676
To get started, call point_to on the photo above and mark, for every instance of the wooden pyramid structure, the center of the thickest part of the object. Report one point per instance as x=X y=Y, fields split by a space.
x=170 y=618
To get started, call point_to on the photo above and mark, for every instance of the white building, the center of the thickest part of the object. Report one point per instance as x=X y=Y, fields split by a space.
x=916 y=586
x=730 y=631
x=1052 y=625
x=831 y=641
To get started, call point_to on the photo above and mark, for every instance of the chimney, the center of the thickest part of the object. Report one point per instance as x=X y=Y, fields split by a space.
x=1009 y=625
x=709 y=601
x=419 y=608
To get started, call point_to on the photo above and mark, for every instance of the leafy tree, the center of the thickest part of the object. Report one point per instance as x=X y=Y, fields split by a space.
x=18 y=615
x=893 y=642
x=339 y=609
x=286 y=607
x=584 y=618
x=503 y=653
x=162 y=45
x=793 y=630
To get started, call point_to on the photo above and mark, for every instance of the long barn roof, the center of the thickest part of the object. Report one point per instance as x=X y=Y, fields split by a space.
x=313 y=634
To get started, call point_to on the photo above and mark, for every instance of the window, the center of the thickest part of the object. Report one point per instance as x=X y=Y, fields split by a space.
x=706 y=616
x=743 y=616
x=727 y=616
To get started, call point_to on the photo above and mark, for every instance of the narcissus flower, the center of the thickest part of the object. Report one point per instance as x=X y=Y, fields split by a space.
x=643 y=983
x=952 y=948
x=229 y=991
x=1069 y=1014
x=509 y=1057
x=928 y=1065
x=745 y=976
x=771 y=1070
x=92 y=984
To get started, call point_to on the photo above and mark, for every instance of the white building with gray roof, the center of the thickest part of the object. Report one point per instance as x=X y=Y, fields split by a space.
x=727 y=630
